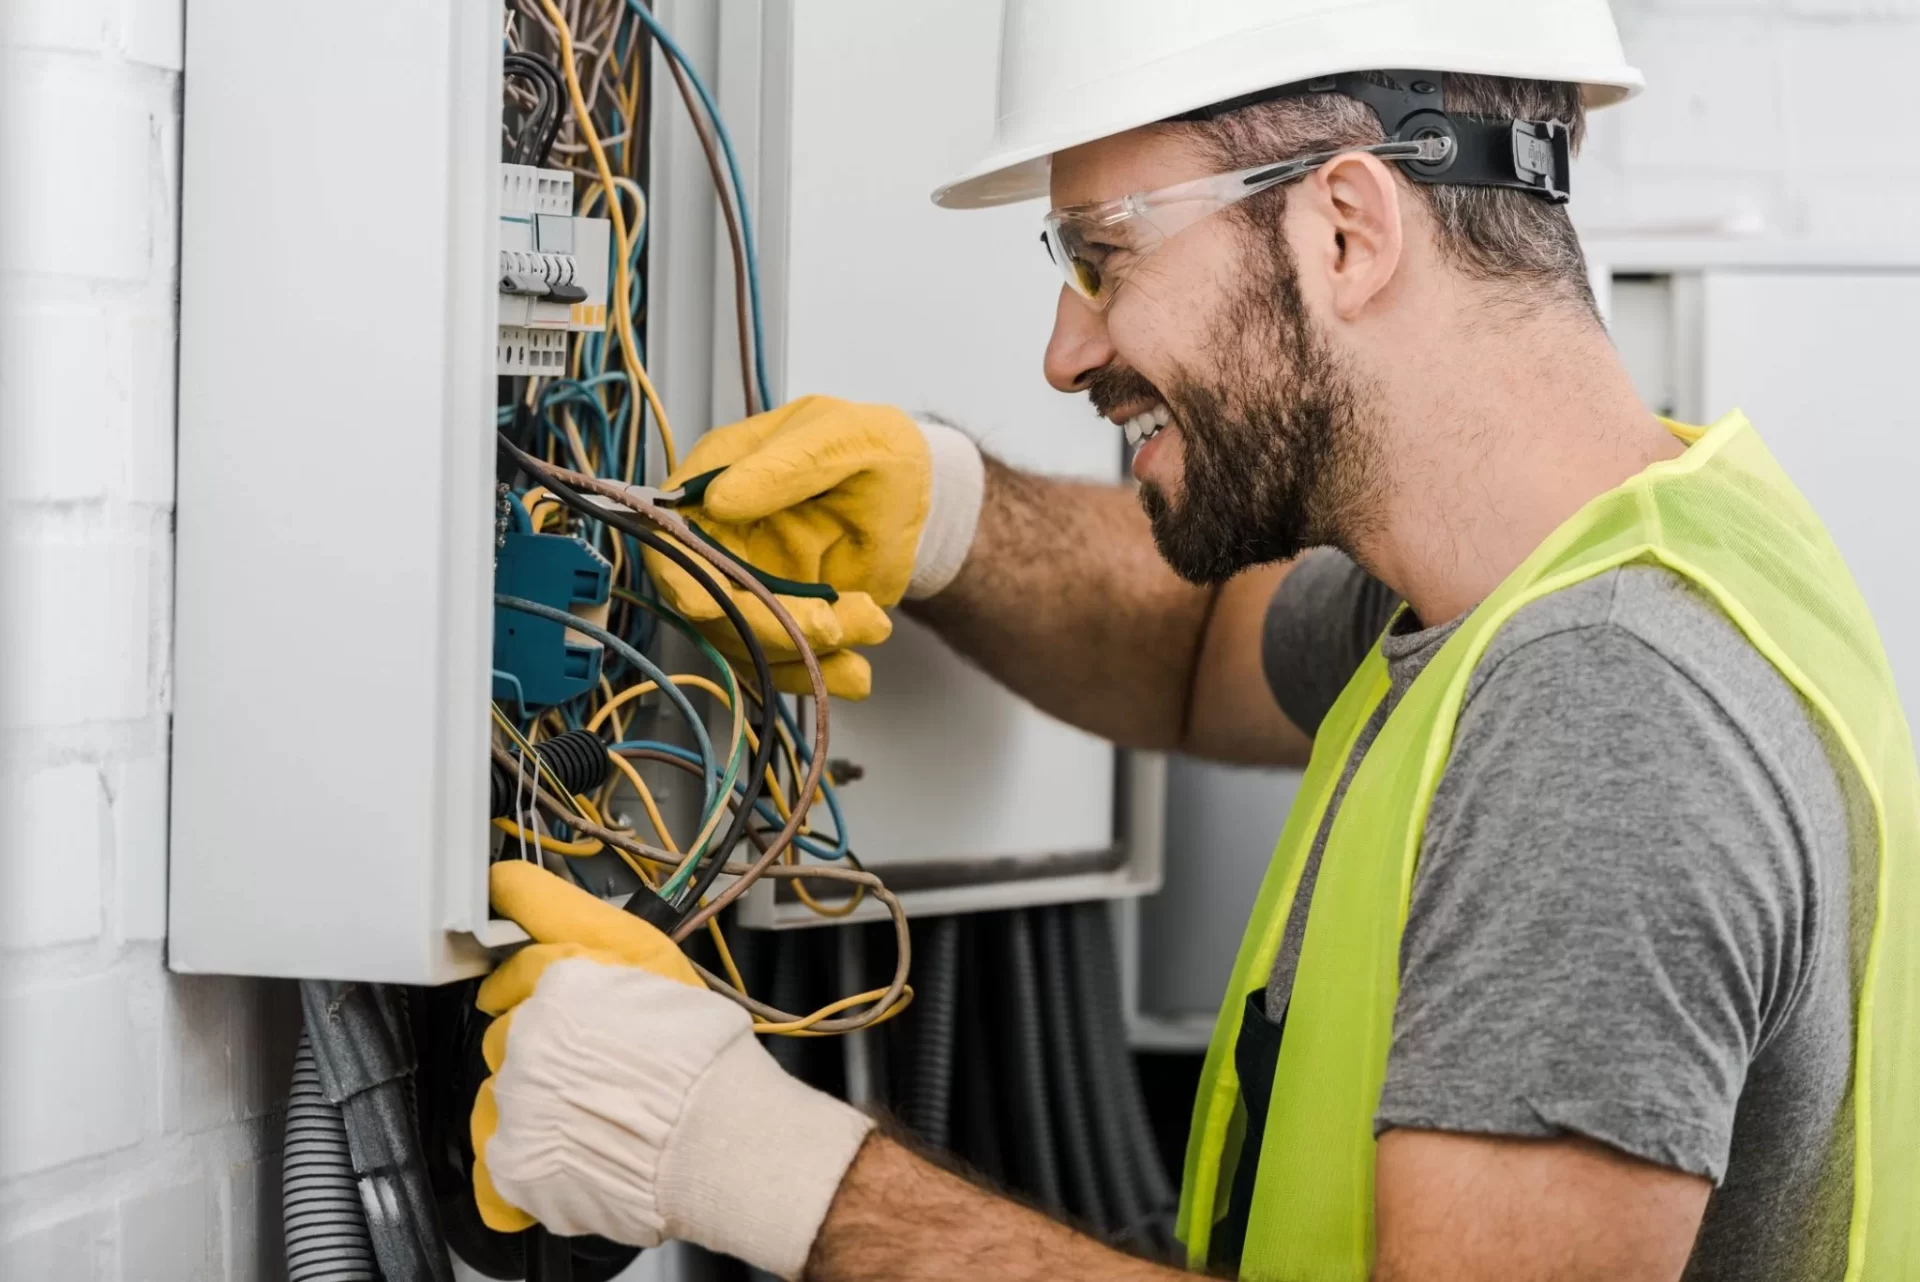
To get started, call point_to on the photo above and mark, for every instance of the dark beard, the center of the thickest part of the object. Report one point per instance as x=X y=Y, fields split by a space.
x=1277 y=458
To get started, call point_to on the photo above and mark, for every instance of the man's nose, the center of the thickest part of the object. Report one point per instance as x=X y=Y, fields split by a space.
x=1079 y=345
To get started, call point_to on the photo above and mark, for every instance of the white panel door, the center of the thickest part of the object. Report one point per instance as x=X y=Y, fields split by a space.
x=891 y=299
x=1822 y=362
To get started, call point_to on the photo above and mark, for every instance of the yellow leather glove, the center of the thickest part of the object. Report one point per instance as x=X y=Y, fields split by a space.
x=564 y=922
x=829 y=491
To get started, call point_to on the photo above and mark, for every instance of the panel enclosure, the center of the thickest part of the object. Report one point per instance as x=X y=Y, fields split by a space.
x=335 y=472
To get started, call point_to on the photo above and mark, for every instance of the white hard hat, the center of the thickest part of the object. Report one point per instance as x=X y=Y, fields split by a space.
x=1072 y=71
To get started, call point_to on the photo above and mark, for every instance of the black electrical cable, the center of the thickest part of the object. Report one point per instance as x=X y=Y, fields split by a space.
x=938 y=973
x=643 y=905
x=1100 y=967
x=578 y=760
x=1070 y=1104
x=534 y=120
x=542 y=127
x=1034 y=1133
x=1107 y=1081
x=977 y=1113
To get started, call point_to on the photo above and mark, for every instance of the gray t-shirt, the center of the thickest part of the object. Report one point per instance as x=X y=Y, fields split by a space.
x=1630 y=919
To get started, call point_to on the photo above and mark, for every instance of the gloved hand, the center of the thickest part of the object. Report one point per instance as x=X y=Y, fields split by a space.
x=628 y=1101
x=863 y=497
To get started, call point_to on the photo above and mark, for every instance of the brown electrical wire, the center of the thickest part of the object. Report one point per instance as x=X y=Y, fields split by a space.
x=670 y=524
x=702 y=129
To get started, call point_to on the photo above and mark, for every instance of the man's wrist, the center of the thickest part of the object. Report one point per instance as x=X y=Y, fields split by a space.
x=953 y=507
x=755 y=1160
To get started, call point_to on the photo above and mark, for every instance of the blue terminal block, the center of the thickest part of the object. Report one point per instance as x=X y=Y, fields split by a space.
x=550 y=665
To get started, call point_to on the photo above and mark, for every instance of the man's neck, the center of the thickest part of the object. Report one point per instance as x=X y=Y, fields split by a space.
x=1495 y=439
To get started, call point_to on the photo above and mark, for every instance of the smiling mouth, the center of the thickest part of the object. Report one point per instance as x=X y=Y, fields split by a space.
x=1146 y=425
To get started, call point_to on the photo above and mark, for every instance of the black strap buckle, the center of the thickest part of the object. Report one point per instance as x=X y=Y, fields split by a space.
x=1483 y=151
x=1543 y=156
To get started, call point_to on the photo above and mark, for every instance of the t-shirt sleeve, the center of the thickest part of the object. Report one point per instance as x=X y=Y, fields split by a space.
x=1324 y=617
x=1595 y=940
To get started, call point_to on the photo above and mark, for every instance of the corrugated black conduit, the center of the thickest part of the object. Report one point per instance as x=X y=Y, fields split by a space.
x=1105 y=1080
x=1071 y=1088
x=1104 y=1023
x=324 y=1229
x=363 y=1049
x=577 y=758
x=936 y=984
x=1033 y=1126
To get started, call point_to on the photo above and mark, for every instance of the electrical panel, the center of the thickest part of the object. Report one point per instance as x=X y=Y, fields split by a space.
x=346 y=666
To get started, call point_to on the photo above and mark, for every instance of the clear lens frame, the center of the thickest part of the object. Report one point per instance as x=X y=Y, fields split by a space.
x=1096 y=246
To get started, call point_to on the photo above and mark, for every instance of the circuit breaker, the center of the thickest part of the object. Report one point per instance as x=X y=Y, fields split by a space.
x=553 y=271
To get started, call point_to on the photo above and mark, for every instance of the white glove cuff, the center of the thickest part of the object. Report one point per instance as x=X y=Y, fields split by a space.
x=756 y=1160
x=953 y=513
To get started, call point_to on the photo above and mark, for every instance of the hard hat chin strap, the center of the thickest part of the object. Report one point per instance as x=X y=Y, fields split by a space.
x=1488 y=151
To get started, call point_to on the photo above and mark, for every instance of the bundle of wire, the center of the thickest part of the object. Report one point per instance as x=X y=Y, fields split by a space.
x=571 y=446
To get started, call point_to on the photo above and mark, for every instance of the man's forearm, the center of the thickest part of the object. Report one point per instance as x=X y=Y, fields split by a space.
x=900 y=1218
x=1064 y=600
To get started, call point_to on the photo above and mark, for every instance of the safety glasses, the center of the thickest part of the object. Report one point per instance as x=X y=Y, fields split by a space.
x=1097 y=246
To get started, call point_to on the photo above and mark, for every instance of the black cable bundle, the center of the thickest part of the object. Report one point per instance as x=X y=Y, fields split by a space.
x=937 y=977
x=1014 y=1058
x=577 y=758
x=542 y=125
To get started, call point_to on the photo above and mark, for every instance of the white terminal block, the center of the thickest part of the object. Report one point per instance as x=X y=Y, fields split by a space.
x=553 y=270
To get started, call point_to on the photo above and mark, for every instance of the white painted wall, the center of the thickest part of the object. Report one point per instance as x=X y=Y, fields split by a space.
x=1769 y=117
x=138 y=1138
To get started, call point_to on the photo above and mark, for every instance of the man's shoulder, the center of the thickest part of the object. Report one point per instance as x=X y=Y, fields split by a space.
x=1645 y=623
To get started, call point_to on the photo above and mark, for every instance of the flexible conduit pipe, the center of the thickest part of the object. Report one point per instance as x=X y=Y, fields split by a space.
x=1107 y=1078
x=937 y=974
x=1107 y=1020
x=1033 y=1138
x=325 y=1229
x=1070 y=1093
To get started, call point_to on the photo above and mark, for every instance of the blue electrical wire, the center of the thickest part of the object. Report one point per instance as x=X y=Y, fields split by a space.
x=519 y=691
x=517 y=518
x=639 y=661
x=740 y=190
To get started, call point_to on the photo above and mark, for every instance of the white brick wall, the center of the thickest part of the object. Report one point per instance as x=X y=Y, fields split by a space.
x=138 y=1133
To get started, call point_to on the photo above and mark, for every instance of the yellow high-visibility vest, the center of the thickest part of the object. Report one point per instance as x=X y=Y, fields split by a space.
x=1724 y=516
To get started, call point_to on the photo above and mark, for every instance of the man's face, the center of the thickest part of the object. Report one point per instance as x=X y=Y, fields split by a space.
x=1267 y=448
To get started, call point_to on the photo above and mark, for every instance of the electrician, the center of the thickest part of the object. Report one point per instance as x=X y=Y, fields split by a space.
x=1589 y=949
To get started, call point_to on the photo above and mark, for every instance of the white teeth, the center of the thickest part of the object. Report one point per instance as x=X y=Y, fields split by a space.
x=1145 y=425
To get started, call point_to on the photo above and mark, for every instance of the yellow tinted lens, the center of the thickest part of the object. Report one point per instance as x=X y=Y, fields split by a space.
x=1086 y=277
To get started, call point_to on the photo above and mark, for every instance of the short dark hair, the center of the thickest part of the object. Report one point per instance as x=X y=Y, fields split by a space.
x=1493 y=234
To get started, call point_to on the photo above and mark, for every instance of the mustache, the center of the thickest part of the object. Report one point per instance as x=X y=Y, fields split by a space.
x=1113 y=386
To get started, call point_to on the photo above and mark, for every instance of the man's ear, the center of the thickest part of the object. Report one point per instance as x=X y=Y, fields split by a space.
x=1362 y=235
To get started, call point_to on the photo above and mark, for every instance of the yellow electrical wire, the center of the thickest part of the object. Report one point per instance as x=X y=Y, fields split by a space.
x=800 y=1027
x=577 y=849
x=623 y=286
x=666 y=839
x=646 y=801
